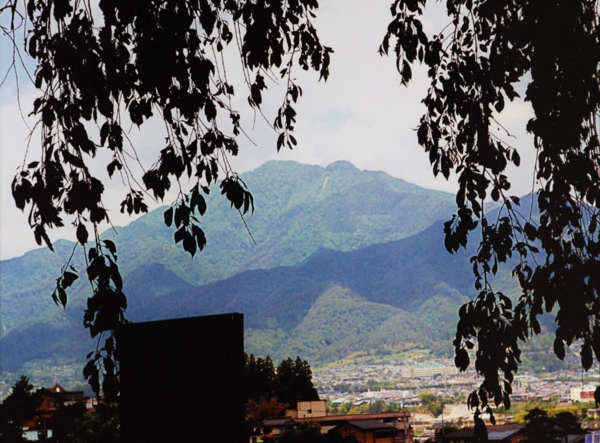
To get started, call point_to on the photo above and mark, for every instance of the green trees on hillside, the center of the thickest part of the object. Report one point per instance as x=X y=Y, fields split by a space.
x=432 y=403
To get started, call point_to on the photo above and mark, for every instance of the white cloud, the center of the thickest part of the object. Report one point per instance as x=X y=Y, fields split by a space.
x=361 y=114
x=15 y=237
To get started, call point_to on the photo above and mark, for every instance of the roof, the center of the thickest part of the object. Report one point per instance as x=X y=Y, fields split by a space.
x=369 y=425
x=501 y=435
x=337 y=419
x=275 y=422
x=495 y=433
x=77 y=396
x=334 y=419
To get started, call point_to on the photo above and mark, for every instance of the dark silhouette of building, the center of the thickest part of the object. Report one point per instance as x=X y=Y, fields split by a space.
x=181 y=380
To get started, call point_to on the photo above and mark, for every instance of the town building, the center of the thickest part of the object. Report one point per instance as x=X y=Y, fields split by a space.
x=369 y=431
x=52 y=400
x=507 y=433
x=584 y=393
x=381 y=427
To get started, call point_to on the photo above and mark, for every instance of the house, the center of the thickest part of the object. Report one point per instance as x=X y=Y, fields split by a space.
x=507 y=433
x=58 y=397
x=308 y=409
x=51 y=400
x=583 y=394
x=369 y=431
x=382 y=427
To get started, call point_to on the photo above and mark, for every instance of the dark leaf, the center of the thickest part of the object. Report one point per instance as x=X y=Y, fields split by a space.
x=559 y=348
x=530 y=231
x=199 y=236
x=62 y=296
x=189 y=243
x=473 y=400
x=72 y=159
x=68 y=278
x=95 y=268
x=179 y=234
x=168 y=215
x=587 y=358
x=110 y=245
x=461 y=359
x=40 y=234
x=210 y=110
x=115 y=275
x=593 y=224
x=82 y=234
x=92 y=254
x=115 y=164
x=108 y=345
x=516 y=158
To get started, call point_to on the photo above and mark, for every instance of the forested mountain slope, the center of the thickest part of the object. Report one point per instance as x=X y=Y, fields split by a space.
x=324 y=237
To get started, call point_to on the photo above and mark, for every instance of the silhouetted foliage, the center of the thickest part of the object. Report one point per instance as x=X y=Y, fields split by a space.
x=100 y=70
x=259 y=378
x=476 y=64
x=64 y=420
x=541 y=427
x=294 y=382
x=270 y=392
x=306 y=432
x=290 y=383
x=259 y=395
x=16 y=409
x=100 y=426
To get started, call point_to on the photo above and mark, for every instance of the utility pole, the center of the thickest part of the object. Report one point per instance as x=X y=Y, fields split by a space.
x=404 y=421
x=443 y=424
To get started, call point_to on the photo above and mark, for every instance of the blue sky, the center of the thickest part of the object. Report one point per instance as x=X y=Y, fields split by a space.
x=361 y=114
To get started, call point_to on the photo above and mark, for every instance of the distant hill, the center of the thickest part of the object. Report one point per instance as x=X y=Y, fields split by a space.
x=335 y=246
x=399 y=295
x=402 y=294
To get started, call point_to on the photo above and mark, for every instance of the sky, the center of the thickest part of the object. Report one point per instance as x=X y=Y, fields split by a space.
x=361 y=114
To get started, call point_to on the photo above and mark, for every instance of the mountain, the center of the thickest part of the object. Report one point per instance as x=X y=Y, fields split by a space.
x=299 y=210
x=402 y=294
x=331 y=243
x=399 y=295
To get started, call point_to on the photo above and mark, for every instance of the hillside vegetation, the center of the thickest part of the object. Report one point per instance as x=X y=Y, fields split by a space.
x=344 y=261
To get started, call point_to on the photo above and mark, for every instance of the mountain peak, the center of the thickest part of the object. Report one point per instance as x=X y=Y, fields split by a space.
x=341 y=166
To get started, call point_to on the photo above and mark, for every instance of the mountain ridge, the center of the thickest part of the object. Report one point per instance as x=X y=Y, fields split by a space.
x=317 y=228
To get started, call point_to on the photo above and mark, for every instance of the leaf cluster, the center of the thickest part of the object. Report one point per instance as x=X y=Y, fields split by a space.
x=104 y=314
x=475 y=65
x=20 y=405
x=140 y=60
x=541 y=427
x=100 y=70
